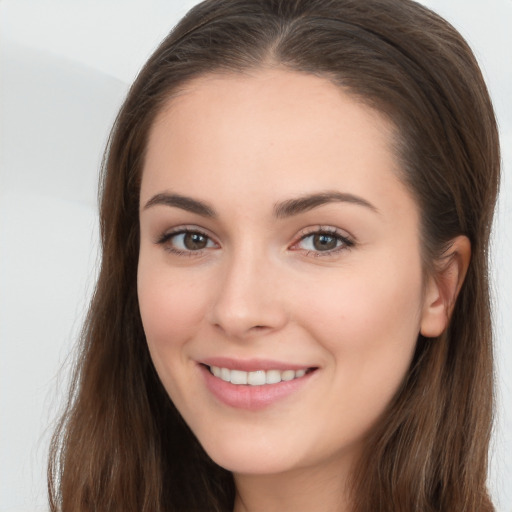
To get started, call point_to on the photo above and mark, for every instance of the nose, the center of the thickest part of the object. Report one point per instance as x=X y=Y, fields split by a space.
x=249 y=297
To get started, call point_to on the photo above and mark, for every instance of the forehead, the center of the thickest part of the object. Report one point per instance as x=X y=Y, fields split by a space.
x=272 y=131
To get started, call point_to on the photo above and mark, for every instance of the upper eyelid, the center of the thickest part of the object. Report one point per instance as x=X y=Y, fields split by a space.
x=331 y=230
x=166 y=234
x=165 y=238
x=348 y=241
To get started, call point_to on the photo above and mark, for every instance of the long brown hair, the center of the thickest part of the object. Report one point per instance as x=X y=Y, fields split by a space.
x=121 y=445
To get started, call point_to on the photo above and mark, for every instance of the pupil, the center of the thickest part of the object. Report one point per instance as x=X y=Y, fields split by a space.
x=194 y=241
x=324 y=242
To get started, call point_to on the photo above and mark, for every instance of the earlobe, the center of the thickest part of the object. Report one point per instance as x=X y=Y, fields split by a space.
x=443 y=287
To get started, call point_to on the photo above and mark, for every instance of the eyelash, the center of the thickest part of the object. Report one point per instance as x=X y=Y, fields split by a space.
x=166 y=238
x=344 y=241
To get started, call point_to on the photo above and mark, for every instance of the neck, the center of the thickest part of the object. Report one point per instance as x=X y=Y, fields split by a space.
x=300 y=490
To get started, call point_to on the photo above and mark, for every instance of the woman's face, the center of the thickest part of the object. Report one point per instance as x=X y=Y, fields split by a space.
x=277 y=243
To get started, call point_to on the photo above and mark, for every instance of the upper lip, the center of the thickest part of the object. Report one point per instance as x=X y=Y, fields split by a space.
x=252 y=365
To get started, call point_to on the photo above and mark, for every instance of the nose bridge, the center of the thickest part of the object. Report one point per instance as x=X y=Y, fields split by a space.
x=247 y=297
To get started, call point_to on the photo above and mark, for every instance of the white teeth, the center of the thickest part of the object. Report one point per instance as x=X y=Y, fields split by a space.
x=288 y=375
x=225 y=374
x=273 y=376
x=256 y=378
x=238 y=377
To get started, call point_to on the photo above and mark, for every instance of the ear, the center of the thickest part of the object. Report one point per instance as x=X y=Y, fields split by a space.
x=442 y=288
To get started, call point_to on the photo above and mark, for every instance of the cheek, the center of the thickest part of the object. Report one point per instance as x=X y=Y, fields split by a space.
x=369 y=327
x=365 y=308
x=170 y=305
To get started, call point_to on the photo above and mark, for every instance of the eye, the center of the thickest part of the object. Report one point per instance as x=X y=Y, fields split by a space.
x=323 y=242
x=186 y=242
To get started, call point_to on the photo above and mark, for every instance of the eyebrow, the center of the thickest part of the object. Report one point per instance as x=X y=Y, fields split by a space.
x=282 y=209
x=183 y=202
x=306 y=203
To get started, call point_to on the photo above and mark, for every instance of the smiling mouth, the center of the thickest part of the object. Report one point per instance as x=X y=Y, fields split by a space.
x=258 y=377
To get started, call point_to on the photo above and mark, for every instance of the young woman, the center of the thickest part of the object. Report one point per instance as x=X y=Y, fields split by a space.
x=292 y=311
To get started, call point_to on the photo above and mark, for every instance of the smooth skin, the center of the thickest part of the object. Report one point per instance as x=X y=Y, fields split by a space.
x=337 y=286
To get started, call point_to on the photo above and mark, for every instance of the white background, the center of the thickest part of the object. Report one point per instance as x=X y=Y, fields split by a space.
x=64 y=70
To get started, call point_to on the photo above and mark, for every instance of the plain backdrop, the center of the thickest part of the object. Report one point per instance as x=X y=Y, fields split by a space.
x=64 y=70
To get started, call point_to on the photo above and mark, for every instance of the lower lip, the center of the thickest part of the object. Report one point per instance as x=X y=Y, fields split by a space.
x=251 y=398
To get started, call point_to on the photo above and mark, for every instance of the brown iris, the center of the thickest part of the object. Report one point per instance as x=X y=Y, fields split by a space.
x=195 y=241
x=324 y=242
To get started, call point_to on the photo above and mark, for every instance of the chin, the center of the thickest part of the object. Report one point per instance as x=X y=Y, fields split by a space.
x=250 y=458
